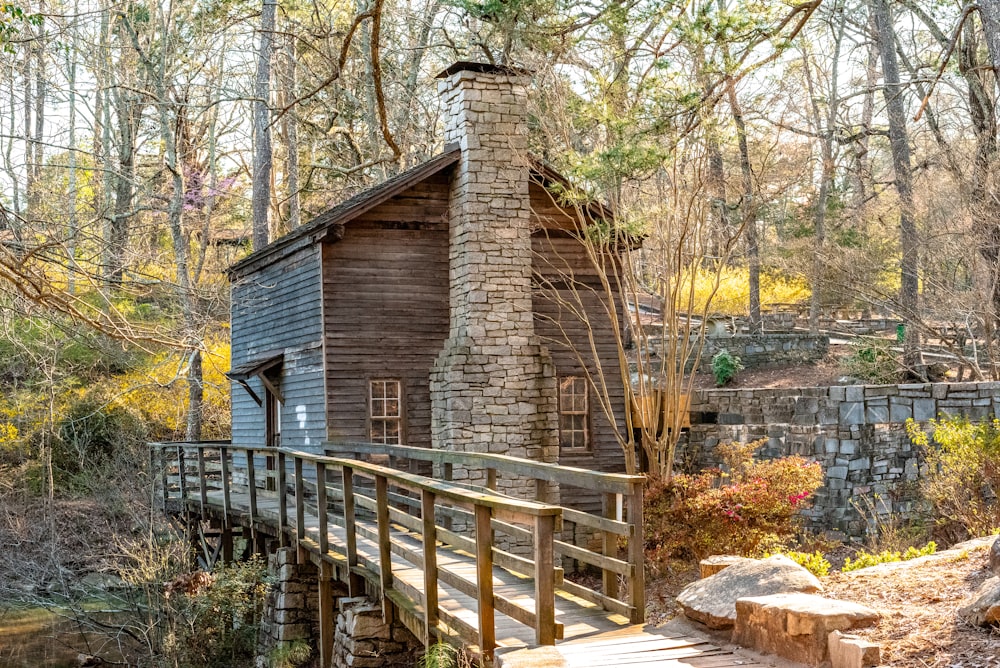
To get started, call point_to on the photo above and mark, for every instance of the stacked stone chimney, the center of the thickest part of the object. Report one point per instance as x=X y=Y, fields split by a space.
x=493 y=386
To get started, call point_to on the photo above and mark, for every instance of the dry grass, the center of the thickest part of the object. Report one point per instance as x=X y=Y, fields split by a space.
x=919 y=602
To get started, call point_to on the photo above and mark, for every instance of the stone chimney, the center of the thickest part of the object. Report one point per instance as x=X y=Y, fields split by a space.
x=493 y=386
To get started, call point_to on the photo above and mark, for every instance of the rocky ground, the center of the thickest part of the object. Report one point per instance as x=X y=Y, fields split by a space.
x=918 y=602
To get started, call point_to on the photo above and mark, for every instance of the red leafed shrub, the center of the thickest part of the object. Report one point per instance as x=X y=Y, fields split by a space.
x=745 y=508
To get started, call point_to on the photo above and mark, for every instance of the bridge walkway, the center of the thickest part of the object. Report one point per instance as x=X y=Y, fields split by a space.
x=488 y=561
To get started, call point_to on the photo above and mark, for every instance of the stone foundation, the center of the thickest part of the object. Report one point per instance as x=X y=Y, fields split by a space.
x=365 y=640
x=362 y=638
x=292 y=606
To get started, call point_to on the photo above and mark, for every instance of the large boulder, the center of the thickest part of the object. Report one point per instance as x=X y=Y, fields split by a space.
x=985 y=607
x=712 y=600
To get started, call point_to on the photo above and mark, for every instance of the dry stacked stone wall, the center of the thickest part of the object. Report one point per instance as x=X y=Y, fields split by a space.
x=493 y=386
x=762 y=351
x=291 y=609
x=856 y=432
x=365 y=640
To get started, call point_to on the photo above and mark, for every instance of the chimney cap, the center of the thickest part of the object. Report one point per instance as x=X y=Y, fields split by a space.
x=485 y=68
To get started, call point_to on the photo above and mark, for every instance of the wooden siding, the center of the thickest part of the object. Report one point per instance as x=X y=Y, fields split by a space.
x=278 y=310
x=386 y=308
x=558 y=259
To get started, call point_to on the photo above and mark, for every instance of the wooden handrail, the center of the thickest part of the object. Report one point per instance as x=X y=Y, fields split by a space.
x=620 y=517
x=614 y=483
x=485 y=506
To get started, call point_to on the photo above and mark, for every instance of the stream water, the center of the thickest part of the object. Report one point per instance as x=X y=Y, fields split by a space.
x=39 y=638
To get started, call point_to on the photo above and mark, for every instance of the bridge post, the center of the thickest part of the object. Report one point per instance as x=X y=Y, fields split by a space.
x=636 y=555
x=545 y=590
x=327 y=623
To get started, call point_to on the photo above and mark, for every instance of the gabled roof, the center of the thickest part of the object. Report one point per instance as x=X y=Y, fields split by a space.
x=329 y=224
x=364 y=201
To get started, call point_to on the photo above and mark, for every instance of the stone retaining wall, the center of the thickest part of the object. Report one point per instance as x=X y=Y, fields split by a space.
x=762 y=351
x=856 y=432
x=759 y=351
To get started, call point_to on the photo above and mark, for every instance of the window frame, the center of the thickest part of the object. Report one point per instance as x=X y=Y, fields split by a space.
x=577 y=381
x=399 y=418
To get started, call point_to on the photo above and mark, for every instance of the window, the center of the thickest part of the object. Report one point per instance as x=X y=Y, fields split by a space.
x=573 y=413
x=385 y=408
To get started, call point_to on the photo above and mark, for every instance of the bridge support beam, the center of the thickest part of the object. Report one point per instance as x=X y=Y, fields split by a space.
x=327 y=625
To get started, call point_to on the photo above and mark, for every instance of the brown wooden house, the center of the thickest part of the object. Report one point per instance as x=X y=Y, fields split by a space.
x=412 y=312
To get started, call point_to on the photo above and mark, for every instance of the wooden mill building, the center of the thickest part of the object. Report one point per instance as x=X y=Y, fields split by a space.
x=413 y=313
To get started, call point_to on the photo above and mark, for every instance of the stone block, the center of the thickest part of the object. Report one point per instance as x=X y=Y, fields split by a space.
x=924 y=409
x=854 y=393
x=837 y=472
x=852 y=413
x=366 y=623
x=714 y=564
x=796 y=626
x=850 y=651
x=900 y=410
x=860 y=464
x=877 y=414
x=287 y=632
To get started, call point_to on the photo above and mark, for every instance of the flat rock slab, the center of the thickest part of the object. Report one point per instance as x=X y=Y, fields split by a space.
x=796 y=626
x=712 y=600
x=985 y=607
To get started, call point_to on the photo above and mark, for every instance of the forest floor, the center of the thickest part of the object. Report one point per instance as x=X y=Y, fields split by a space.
x=918 y=601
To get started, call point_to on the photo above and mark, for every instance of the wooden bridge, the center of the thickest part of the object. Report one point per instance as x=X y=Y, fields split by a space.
x=452 y=560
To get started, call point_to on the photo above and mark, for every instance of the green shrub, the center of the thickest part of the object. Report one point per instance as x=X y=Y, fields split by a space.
x=289 y=654
x=866 y=559
x=962 y=480
x=439 y=655
x=215 y=618
x=872 y=360
x=725 y=366
x=814 y=562
x=747 y=509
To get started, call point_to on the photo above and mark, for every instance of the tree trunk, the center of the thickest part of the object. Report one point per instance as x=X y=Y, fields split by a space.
x=900 y=146
x=291 y=139
x=825 y=129
x=261 y=195
x=749 y=208
x=196 y=396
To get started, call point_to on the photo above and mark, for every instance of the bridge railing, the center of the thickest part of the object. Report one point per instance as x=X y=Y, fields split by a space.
x=404 y=509
x=615 y=545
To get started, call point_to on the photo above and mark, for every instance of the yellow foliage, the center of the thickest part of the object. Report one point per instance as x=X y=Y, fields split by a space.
x=733 y=294
x=158 y=392
x=8 y=433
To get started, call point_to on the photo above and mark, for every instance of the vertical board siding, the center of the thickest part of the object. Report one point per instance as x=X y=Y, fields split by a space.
x=386 y=309
x=277 y=309
x=558 y=260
